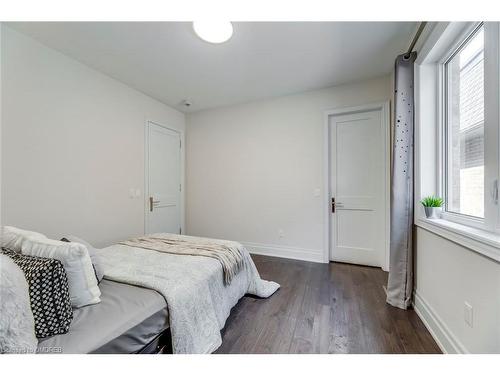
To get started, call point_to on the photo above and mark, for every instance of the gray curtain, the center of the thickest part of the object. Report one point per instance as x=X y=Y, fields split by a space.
x=400 y=284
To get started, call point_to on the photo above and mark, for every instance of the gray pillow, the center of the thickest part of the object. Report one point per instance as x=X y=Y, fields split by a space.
x=94 y=257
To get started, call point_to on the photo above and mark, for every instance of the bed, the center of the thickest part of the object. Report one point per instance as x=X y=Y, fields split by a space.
x=129 y=319
x=181 y=288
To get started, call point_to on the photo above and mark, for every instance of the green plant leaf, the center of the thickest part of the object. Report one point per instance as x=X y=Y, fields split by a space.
x=432 y=201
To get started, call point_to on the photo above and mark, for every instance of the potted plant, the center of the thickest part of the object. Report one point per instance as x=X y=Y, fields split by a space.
x=432 y=206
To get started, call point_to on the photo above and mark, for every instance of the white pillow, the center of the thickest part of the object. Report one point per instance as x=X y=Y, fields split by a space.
x=94 y=256
x=83 y=289
x=12 y=237
x=17 y=325
x=72 y=238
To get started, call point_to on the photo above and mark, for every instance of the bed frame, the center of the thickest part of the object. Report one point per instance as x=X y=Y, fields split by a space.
x=161 y=344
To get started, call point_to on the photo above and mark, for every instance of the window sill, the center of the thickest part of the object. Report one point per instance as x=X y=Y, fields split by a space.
x=478 y=240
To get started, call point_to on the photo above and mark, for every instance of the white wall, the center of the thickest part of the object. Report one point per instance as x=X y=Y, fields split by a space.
x=252 y=169
x=72 y=145
x=447 y=275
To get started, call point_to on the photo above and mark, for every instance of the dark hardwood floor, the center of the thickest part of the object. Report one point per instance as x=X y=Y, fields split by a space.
x=323 y=308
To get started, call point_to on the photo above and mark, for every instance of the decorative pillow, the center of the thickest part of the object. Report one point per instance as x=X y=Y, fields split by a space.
x=94 y=257
x=12 y=237
x=17 y=326
x=83 y=289
x=48 y=291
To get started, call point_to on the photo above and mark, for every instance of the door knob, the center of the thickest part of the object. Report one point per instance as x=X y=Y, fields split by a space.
x=152 y=203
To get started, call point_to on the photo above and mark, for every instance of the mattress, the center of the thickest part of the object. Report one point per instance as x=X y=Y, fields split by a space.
x=127 y=318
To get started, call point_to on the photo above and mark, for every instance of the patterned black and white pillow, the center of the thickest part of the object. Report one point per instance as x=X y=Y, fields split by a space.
x=49 y=293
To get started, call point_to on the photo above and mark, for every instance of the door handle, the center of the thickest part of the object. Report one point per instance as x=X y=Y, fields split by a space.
x=152 y=203
x=336 y=205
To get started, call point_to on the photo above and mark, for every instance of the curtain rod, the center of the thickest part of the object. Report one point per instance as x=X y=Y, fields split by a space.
x=415 y=38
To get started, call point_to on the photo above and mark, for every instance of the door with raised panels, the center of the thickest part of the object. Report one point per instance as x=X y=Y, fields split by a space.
x=357 y=183
x=163 y=180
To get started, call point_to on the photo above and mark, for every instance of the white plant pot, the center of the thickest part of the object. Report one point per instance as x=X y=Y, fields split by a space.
x=432 y=212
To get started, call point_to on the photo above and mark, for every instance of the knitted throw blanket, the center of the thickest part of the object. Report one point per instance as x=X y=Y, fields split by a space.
x=228 y=253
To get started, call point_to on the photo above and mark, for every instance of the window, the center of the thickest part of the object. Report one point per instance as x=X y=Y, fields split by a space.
x=457 y=132
x=464 y=127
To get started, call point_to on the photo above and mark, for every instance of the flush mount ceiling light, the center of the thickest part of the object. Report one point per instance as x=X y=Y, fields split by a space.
x=213 y=32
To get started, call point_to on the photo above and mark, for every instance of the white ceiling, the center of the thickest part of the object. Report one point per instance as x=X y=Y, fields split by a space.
x=167 y=61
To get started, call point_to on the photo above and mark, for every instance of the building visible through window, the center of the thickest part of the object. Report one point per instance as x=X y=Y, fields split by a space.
x=465 y=128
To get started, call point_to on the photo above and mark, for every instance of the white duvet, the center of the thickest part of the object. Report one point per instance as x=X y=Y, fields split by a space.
x=193 y=286
x=17 y=324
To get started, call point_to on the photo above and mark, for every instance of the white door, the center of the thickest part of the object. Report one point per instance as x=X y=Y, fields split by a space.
x=163 y=180
x=357 y=183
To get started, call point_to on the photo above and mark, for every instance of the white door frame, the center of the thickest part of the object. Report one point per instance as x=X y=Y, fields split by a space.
x=146 y=173
x=385 y=116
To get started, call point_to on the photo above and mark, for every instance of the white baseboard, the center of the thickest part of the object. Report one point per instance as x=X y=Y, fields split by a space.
x=445 y=339
x=310 y=255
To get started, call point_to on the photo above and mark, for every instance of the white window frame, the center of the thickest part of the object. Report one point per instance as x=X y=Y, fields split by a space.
x=454 y=48
x=440 y=41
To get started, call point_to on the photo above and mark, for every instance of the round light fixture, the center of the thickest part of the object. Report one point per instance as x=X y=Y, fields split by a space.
x=213 y=32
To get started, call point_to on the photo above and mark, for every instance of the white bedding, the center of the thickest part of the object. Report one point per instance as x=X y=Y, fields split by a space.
x=17 y=325
x=198 y=301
